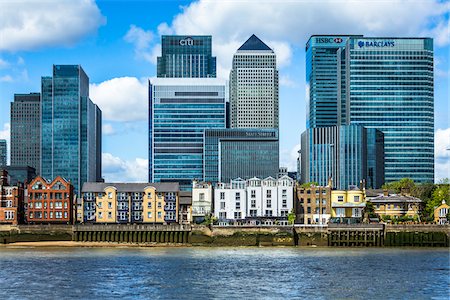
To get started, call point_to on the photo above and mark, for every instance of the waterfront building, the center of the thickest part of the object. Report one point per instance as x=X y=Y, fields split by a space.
x=254 y=86
x=313 y=205
x=348 y=203
x=3 y=153
x=23 y=174
x=70 y=128
x=185 y=207
x=186 y=56
x=347 y=154
x=384 y=83
x=441 y=212
x=130 y=202
x=26 y=130
x=202 y=200
x=396 y=205
x=233 y=152
x=50 y=201
x=254 y=198
x=11 y=201
x=180 y=109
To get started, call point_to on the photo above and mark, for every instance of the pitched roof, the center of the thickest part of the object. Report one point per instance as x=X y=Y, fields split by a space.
x=254 y=43
x=98 y=187
x=394 y=198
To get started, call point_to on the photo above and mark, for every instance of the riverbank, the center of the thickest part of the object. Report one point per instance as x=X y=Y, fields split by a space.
x=73 y=244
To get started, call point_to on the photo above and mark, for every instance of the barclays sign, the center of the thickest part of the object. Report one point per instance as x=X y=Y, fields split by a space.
x=377 y=44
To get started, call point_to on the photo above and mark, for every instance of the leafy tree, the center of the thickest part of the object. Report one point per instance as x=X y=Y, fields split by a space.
x=370 y=210
x=441 y=192
x=397 y=186
x=291 y=217
x=308 y=184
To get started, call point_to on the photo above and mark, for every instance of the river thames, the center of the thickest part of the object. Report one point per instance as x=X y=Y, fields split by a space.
x=224 y=273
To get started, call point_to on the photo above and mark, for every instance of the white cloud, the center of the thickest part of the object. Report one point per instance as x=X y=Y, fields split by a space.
x=115 y=169
x=108 y=129
x=141 y=40
x=5 y=134
x=442 y=153
x=288 y=23
x=6 y=78
x=28 y=25
x=122 y=98
x=285 y=80
x=288 y=158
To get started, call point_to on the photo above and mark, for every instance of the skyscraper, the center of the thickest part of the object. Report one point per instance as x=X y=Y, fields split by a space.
x=254 y=86
x=383 y=83
x=3 y=153
x=70 y=128
x=186 y=57
x=347 y=154
x=26 y=130
x=180 y=109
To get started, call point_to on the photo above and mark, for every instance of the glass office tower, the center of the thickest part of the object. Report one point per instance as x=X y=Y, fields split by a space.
x=346 y=154
x=26 y=130
x=323 y=72
x=390 y=87
x=240 y=152
x=70 y=128
x=3 y=153
x=180 y=109
x=186 y=56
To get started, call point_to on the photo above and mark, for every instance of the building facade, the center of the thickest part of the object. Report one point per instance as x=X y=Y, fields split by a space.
x=185 y=56
x=232 y=152
x=313 y=205
x=50 y=201
x=384 y=83
x=254 y=86
x=130 y=203
x=202 y=200
x=71 y=127
x=347 y=154
x=441 y=212
x=11 y=201
x=396 y=206
x=179 y=112
x=254 y=198
x=26 y=130
x=348 y=204
x=3 y=153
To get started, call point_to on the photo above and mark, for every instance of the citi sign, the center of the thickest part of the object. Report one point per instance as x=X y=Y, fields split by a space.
x=328 y=40
x=187 y=42
x=379 y=44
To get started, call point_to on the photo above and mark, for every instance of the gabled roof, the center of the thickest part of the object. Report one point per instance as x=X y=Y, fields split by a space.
x=99 y=187
x=254 y=43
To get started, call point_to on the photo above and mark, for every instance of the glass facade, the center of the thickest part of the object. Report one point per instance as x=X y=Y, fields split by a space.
x=186 y=56
x=26 y=130
x=180 y=110
x=3 y=153
x=70 y=122
x=390 y=88
x=345 y=154
x=240 y=153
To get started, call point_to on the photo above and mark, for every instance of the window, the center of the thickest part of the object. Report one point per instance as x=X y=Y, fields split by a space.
x=109 y=205
x=341 y=198
x=149 y=215
x=109 y=195
x=100 y=204
x=58 y=215
x=159 y=205
x=253 y=203
x=38 y=205
x=268 y=212
x=238 y=196
x=222 y=195
x=253 y=193
x=269 y=203
x=31 y=215
x=149 y=205
x=159 y=215
x=45 y=215
x=100 y=215
x=238 y=205
x=356 y=198
x=109 y=215
x=51 y=215
x=222 y=205
x=149 y=195
x=201 y=197
x=269 y=193
x=253 y=212
x=340 y=212
x=65 y=205
x=222 y=215
x=309 y=200
x=308 y=210
x=237 y=215
x=65 y=215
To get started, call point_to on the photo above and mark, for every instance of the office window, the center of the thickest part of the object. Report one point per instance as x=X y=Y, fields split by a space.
x=341 y=198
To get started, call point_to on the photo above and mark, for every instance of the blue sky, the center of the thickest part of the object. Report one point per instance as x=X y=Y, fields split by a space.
x=117 y=42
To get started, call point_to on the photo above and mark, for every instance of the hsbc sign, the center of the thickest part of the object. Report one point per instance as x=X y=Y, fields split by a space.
x=329 y=40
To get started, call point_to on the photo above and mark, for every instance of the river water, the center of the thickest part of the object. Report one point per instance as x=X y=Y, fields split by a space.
x=224 y=273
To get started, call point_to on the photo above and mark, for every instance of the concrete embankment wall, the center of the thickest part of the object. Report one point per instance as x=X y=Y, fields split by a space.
x=35 y=233
x=417 y=235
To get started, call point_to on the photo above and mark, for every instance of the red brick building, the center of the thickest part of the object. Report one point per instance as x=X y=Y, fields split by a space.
x=11 y=201
x=50 y=202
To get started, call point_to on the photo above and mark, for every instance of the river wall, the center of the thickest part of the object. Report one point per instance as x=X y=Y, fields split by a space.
x=371 y=235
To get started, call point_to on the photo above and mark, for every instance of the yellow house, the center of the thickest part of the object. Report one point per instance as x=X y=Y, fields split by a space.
x=440 y=213
x=347 y=204
x=396 y=205
x=106 y=203
x=130 y=202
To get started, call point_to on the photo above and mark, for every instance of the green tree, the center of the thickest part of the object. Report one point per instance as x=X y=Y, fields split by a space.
x=397 y=186
x=441 y=192
x=291 y=217
x=370 y=210
x=308 y=184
